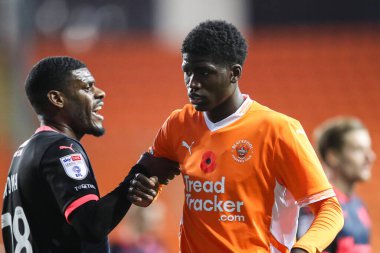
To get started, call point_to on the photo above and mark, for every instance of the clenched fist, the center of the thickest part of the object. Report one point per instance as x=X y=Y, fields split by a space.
x=142 y=190
x=164 y=169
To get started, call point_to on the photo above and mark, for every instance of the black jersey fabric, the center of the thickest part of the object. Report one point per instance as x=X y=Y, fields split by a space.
x=50 y=199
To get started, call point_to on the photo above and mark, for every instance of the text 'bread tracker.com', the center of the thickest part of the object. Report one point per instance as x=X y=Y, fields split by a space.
x=227 y=208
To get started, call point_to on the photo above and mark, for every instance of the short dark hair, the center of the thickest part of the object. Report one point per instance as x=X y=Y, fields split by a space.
x=218 y=39
x=330 y=135
x=50 y=73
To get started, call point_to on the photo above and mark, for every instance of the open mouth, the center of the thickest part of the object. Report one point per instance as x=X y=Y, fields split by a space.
x=96 y=109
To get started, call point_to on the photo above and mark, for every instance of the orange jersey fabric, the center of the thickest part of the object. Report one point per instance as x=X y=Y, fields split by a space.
x=244 y=178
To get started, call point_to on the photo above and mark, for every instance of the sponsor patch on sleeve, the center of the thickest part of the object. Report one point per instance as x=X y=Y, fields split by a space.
x=75 y=166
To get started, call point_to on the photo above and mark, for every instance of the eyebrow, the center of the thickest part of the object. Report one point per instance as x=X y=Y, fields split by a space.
x=199 y=65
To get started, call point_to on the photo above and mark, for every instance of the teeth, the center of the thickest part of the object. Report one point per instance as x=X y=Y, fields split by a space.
x=98 y=115
x=99 y=107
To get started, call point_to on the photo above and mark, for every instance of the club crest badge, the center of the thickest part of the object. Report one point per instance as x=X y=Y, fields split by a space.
x=242 y=151
x=75 y=166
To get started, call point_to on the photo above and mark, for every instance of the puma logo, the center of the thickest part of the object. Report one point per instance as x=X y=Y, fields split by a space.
x=184 y=144
x=66 y=147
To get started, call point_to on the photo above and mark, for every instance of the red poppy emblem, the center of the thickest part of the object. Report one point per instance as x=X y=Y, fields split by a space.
x=208 y=162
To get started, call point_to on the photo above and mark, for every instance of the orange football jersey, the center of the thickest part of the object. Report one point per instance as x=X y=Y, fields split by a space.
x=245 y=178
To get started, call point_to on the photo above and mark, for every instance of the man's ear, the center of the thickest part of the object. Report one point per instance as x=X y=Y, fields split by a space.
x=332 y=158
x=236 y=71
x=56 y=98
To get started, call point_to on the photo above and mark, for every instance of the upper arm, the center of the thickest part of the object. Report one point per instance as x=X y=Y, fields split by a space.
x=297 y=165
x=165 y=140
x=68 y=173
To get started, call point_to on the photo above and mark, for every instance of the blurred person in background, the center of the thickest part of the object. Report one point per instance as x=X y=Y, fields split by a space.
x=51 y=201
x=246 y=168
x=344 y=146
x=141 y=230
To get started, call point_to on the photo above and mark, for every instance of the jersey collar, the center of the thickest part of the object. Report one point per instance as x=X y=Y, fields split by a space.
x=44 y=128
x=230 y=119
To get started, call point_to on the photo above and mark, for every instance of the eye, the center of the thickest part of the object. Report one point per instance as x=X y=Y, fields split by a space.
x=89 y=87
x=205 y=73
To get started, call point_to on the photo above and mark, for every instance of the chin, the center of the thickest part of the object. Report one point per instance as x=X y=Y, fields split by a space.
x=200 y=108
x=99 y=131
x=365 y=177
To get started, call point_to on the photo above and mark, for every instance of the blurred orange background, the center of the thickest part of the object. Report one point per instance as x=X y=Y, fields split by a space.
x=310 y=73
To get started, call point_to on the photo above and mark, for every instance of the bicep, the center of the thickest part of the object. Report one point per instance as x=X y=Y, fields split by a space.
x=68 y=174
x=297 y=165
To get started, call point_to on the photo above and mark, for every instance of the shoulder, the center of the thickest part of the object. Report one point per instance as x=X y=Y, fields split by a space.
x=41 y=141
x=50 y=138
x=271 y=117
x=185 y=113
x=53 y=144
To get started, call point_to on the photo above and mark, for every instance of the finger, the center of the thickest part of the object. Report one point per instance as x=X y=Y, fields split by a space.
x=134 y=199
x=157 y=183
x=138 y=186
x=142 y=179
x=144 y=195
x=154 y=179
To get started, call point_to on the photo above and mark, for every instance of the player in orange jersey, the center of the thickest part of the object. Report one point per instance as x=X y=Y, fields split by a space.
x=246 y=168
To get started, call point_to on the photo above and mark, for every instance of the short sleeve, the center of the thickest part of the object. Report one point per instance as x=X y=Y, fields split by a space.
x=297 y=165
x=66 y=169
x=164 y=142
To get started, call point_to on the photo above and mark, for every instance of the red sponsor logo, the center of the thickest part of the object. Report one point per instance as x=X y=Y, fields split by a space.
x=76 y=157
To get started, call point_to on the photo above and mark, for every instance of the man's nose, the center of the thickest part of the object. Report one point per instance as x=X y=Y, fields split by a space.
x=193 y=82
x=371 y=155
x=99 y=93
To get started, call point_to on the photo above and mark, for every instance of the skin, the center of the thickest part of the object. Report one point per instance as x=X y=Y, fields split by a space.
x=75 y=113
x=76 y=108
x=295 y=250
x=353 y=163
x=212 y=87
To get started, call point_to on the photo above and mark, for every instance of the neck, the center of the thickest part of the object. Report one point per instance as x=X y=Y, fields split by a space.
x=227 y=107
x=342 y=185
x=60 y=127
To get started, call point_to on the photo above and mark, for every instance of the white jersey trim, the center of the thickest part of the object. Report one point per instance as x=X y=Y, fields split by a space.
x=316 y=197
x=284 y=230
x=230 y=119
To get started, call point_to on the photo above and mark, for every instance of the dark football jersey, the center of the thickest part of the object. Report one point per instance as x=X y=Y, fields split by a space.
x=50 y=176
x=355 y=234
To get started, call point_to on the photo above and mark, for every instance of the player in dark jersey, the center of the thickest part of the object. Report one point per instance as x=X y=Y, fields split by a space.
x=344 y=145
x=51 y=201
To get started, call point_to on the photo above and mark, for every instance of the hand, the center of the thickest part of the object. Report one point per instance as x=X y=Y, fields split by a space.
x=142 y=190
x=162 y=168
x=298 y=250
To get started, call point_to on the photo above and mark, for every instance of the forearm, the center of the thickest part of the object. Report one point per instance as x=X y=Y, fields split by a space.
x=327 y=223
x=95 y=219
